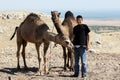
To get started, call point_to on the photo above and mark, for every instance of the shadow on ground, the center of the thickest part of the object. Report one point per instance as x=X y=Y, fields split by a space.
x=15 y=70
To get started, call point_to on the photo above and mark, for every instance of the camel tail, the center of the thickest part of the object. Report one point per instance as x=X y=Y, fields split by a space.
x=14 y=33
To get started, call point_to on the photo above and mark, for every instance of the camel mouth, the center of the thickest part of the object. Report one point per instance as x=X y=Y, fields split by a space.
x=69 y=45
x=55 y=20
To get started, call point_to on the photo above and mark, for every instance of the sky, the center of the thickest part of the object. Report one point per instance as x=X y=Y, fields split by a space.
x=87 y=5
x=87 y=8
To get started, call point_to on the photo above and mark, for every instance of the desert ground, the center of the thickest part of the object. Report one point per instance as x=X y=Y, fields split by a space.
x=103 y=58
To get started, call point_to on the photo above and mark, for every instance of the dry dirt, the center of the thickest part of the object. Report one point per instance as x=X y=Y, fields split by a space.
x=103 y=63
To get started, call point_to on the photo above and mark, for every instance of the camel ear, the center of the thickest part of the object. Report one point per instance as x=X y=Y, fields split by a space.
x=39 y=15
x=59 y=13
x=51 y=12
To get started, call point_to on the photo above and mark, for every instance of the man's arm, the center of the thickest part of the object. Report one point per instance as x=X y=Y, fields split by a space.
x=88 y=41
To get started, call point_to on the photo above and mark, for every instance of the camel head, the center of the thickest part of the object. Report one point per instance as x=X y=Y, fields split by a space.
x=55 y=16
x=56 y=21
x=64 y=41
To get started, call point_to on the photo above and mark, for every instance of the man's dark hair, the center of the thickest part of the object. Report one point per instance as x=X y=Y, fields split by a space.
x=79 y=16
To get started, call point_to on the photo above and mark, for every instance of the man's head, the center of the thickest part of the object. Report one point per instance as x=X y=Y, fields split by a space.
x=79 y=19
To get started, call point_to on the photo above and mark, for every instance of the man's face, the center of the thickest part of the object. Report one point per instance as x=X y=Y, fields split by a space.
x=79 y=20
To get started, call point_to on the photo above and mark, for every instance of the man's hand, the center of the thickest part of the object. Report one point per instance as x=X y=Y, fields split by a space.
x=87 y=47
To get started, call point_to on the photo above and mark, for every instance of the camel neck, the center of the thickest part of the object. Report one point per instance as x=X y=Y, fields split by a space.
x=52 y=37
x=58 y=26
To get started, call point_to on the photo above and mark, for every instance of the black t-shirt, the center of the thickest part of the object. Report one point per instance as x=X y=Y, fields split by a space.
x=80 y=32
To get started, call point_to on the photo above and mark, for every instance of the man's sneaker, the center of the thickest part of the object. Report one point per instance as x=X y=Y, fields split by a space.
x=84 y=77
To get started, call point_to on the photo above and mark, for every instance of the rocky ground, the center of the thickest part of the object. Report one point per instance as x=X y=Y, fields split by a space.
x=103 y=62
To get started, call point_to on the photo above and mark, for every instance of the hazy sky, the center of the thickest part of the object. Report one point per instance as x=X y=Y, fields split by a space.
x=87 y=5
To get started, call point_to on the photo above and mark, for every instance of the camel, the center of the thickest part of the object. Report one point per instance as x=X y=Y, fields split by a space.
x=35 y=30
x=67 y=25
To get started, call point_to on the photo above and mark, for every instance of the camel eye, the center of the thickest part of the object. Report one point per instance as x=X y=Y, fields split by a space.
x=63 y=38
x=66 y=42
x=58 y=15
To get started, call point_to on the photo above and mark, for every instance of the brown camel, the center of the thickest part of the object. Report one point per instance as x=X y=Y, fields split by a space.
x=34 y=30
x=67 y=25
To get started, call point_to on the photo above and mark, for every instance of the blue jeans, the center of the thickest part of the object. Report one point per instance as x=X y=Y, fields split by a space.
x=80 y=53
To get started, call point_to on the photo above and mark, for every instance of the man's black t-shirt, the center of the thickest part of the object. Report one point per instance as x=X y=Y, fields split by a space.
x=80 y=32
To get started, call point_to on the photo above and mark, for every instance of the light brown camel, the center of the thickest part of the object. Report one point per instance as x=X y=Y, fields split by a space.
x=67 y=25
x=34 y=30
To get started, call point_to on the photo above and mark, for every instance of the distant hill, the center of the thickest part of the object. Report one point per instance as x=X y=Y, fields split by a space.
x=19 y=14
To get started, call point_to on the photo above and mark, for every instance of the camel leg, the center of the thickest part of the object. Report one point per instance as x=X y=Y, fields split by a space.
x=72 y=61
x=37 y=45
x=65 y=58
x=71 y=58
x=23 y=53
x=46 y=45
x=18 y=54
x=68 y=59
x=19 y=43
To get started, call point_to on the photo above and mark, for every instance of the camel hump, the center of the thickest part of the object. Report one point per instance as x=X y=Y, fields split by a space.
x=69 y=14
x=32 y=18
x=69 y=19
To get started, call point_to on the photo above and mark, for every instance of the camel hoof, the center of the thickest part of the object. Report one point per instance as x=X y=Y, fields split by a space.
x=18 y=68
x=71 y=69
x=26 y=68
x=46 y=73
x=65 y=68
x=39 y=74
x=67 y=65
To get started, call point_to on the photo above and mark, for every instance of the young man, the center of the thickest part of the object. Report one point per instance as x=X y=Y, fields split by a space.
x=81 y=43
